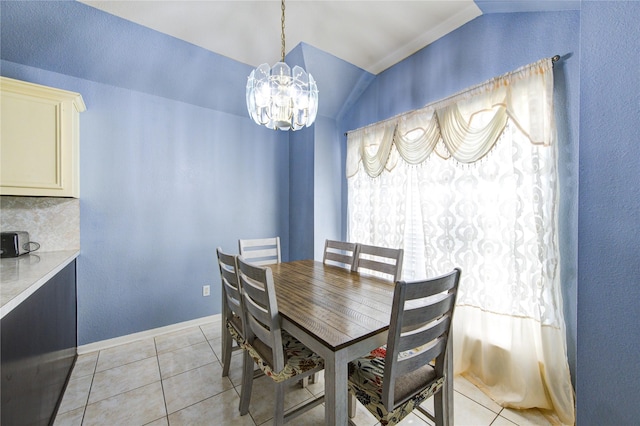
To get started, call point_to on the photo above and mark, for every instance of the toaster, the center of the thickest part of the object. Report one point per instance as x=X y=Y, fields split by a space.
x=16 y=243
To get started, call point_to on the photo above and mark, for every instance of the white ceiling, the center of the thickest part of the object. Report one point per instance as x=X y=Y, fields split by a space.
x=372 y=35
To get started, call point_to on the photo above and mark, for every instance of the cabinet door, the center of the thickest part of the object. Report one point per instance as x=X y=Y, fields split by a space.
x=38 y=350
x=39 y=140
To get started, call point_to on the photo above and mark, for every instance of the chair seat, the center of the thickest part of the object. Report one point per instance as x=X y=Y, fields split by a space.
x=365 y=381
x=298 y=358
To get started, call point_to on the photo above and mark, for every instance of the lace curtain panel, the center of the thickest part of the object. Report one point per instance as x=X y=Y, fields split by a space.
x=472 y=182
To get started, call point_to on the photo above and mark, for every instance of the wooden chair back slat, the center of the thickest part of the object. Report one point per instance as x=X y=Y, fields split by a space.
x=379 y=259
x=415 y=339
x=408 y=365
x=233 y=299
x=422 y=315
x=259 y=330
x=375 y=265
x=257 y=309
x=436 y=285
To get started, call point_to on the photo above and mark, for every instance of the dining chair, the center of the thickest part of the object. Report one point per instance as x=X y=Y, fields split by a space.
x=394 y=380
x=379 y=259
x=278 y=354
x=263 y=251
x=339 y=253
x=231 y=308
x=266 y=251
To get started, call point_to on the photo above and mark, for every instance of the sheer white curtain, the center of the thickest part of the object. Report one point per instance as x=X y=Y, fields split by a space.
x=472 y=182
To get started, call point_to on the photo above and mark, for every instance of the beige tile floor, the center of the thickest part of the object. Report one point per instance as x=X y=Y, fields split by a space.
x=175 y=379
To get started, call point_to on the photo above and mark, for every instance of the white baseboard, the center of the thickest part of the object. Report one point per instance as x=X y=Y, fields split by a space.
x=109 y=343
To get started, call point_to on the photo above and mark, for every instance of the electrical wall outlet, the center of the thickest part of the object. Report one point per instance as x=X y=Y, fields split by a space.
x=206 y=290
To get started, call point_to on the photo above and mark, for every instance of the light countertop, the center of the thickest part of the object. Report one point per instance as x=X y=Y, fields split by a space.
x=21 y=276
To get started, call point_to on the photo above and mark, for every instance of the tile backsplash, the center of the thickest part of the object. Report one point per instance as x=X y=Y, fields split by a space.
x=52 y=222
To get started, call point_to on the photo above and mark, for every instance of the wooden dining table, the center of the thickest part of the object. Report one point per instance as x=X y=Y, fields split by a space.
x=339 y=314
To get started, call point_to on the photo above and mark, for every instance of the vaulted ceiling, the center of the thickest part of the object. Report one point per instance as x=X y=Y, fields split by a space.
x=372 y=35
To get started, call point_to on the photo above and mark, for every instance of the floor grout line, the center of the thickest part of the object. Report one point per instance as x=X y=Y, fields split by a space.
x=164 y=395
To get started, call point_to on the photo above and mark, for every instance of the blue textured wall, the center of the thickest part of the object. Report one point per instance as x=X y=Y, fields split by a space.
x=488 y=46
x=316 y=173
x=329 y=173
x=171 y=165
x=608 y=384
x=162 y=184
x=301 y=193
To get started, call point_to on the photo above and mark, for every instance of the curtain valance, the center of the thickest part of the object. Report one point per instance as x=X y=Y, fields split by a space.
x=464 y=126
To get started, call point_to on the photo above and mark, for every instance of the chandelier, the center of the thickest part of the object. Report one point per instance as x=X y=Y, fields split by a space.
x=280 y=99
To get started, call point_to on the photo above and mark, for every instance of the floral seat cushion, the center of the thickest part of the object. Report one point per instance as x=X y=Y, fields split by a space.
x=365 y=382
x=298 y=358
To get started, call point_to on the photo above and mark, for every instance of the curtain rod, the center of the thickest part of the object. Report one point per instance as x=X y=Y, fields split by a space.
x=554 y=59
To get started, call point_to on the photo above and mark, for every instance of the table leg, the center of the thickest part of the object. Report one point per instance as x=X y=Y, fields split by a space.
x=335 y=389
x=336 y=365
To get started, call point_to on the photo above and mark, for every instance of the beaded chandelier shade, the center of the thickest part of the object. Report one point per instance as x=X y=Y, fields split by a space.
x=281 y=98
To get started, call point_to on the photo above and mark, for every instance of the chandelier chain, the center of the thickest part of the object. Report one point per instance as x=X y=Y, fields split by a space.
x=282 y=36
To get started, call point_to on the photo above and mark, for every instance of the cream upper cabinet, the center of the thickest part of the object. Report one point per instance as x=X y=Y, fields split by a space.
x=39 y=140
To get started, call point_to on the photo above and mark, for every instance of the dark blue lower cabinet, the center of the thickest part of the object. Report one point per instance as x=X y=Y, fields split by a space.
x=39 y=345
